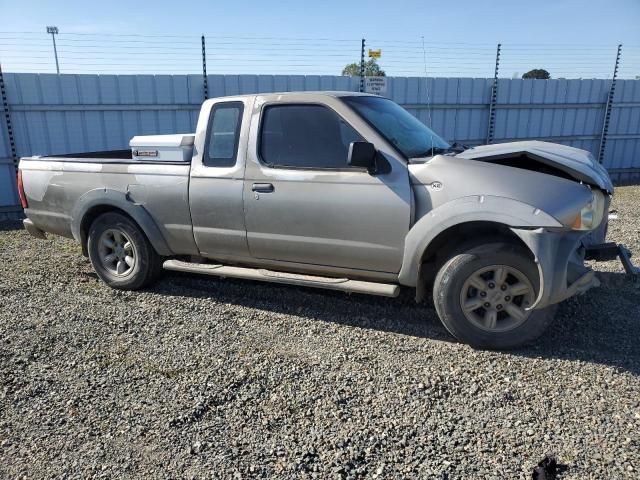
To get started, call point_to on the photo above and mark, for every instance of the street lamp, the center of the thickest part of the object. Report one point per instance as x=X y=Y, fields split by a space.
x=54 y=31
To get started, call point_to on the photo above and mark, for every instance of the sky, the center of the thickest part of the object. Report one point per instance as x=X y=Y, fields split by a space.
x=571 y=38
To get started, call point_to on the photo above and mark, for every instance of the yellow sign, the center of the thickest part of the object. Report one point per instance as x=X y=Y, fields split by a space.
x=375 y=53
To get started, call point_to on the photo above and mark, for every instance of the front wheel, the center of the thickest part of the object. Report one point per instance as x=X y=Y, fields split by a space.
x=482 y=297
x=120 y=253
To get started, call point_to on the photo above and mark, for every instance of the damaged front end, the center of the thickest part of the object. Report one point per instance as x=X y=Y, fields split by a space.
x=561 y=253
x=560 y=258
x=555 y=198
x=544 y=157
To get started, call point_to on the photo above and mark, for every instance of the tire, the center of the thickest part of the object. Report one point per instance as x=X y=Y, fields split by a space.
x=120 y=253
x=495 y=282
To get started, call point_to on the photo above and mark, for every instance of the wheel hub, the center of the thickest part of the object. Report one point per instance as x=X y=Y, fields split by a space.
x=117 y=252
x=496 y=298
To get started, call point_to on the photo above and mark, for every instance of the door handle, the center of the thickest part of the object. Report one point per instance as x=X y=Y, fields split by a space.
x=262 y=187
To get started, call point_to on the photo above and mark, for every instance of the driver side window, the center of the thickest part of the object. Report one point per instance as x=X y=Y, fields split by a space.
x=305 y=136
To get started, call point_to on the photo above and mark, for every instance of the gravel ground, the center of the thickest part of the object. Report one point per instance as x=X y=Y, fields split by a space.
x=234 y=379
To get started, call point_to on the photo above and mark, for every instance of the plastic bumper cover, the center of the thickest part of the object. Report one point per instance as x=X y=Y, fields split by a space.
x=560 y=259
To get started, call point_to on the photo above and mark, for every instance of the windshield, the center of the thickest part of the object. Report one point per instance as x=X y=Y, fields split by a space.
x=406 y=132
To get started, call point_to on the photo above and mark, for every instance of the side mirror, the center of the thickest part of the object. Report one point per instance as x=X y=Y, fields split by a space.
x=362 y=154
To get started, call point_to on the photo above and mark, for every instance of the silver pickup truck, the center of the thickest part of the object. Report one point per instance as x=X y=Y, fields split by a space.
x=343 y=191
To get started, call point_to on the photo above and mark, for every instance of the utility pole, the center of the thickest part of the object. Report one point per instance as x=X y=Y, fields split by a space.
x=54 y=31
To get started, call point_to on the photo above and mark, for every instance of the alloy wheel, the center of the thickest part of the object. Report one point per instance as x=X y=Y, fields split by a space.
x=117 y=252
x=496 y=298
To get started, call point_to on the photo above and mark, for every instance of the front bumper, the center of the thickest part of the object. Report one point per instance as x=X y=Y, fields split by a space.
x=560 y=259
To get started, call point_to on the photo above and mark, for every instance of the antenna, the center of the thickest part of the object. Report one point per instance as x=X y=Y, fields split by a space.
x=426 y=86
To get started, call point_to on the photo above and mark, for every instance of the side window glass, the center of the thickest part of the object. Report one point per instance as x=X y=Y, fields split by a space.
x=305 y=136
x=224 y=133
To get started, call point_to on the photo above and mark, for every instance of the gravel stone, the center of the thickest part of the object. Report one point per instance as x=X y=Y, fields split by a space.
x=200 y=377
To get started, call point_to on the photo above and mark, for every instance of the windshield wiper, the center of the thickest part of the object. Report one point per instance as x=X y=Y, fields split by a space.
x=458 y=147
x=453 y=148
x=439 y=150
x=432 y=151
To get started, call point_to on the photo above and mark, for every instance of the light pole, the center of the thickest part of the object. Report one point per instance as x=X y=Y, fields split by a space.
x=54 y=31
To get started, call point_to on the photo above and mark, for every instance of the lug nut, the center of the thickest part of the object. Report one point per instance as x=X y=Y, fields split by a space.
x=492 y=285
x=507 y=298
x=487 y=305
x=483 y=294
x=498 y=307
x=503 y=287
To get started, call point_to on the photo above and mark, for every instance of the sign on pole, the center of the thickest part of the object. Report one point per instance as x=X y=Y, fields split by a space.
x=377 y=85
x=375 y=53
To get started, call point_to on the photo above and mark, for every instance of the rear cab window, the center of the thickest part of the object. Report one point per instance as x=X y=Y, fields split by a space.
x=223 y=134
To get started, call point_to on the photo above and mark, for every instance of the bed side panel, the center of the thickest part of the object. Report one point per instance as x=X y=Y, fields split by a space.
x=59 y=193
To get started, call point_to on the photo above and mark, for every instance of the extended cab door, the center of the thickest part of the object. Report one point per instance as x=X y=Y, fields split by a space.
x=216 y=183
x=304 y=204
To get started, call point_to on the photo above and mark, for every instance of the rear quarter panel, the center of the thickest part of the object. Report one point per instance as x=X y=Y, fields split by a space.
x=59 y=192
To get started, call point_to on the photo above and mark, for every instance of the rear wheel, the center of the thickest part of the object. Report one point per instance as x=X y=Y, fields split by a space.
x=120 y=253
x=482 y=296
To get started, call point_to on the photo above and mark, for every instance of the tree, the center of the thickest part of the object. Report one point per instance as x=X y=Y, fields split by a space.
x=538 y=73
x=371 y=69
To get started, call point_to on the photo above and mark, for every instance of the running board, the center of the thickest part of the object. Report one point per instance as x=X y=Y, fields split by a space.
x=344 y=284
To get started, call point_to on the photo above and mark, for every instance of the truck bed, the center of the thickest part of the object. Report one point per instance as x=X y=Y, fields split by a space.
x=59 y=186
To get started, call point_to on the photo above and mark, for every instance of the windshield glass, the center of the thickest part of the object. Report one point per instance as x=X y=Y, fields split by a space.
x=406 y=132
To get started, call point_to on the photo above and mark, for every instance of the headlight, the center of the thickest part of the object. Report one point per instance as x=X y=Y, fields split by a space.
x=591 y=215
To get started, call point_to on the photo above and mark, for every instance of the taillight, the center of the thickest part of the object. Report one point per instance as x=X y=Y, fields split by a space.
x=23 y=197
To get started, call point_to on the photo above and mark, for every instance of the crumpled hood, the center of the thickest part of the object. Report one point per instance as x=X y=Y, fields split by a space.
x=580 y=164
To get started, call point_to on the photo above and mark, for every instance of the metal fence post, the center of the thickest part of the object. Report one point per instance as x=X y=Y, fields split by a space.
x=608 y=106
x=494 y=98
x=7 y=118
x=204 y=69
x=362 y=66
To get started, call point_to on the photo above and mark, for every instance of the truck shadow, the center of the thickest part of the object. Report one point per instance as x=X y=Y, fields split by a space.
x=7 y=224
x=602 y=326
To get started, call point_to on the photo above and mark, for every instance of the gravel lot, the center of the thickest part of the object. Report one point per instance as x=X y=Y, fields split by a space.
x=235 y=379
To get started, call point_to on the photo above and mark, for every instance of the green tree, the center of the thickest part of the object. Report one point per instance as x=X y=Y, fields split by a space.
x=538 y=73
x=371 y=69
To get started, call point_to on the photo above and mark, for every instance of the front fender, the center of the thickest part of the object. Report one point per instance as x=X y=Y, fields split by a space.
x=474 y=208
x=106 y=197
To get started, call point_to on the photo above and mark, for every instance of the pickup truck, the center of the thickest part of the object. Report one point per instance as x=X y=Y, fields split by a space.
x=343 y=191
